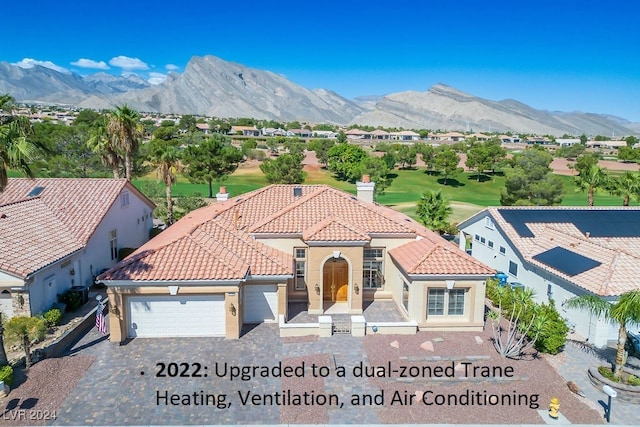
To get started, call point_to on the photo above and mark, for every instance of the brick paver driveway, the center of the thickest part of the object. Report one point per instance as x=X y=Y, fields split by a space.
x=114 y=390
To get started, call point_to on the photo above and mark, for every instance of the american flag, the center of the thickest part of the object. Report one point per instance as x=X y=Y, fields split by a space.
x=101 y=321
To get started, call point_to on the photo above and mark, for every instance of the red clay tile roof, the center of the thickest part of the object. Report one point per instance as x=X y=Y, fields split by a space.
x=331 y=229
x=619 y=270
x=200 y=247
x=425 y=257
x=38 y=230
x=32 y=238
x=215 y=242
x=79 y=203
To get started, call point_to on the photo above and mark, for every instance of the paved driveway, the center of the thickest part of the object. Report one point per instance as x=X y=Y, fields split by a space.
x=115 y=392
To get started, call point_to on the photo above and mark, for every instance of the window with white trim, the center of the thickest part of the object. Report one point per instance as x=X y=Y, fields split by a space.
x=301 y=269
x=442 y=302
x=405 y=295
x=113 y=244
x=124 y=198
x=488 y=222
x=435 y=302
x=490 y=243
x=513 y=268
x=503 y=250
x=372 y=264
x=483 y=240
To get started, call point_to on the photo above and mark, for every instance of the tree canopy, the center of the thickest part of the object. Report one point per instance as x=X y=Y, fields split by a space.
x=284 y=169
x=213 y=160
x=530 y=182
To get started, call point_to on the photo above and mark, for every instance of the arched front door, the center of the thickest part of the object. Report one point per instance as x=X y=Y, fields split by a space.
x=335 y=279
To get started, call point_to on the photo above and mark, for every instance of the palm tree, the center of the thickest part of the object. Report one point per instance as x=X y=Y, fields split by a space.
x=624 y=312
x=125 y=132
x=434 y=210
x=626 y=185
x=166 y=160
x=591 y=179
x=102 y=145
x=15 y=150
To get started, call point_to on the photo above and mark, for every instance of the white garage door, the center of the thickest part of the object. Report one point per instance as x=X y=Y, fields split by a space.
x=260 y=303
x=6 y=304
x=176 y=316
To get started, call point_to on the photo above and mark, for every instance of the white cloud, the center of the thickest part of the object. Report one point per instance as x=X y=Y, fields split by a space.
x=30 y=63
x=90 y=63
x=171 y=67
x=156 y=78
x=128 y=63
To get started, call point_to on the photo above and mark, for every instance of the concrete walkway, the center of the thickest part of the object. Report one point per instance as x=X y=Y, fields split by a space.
x=579 y=358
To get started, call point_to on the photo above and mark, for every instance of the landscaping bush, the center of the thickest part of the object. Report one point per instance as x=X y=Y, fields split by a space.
x=71 y=298
x=53 y=317
x=6 y=374
x=550 y=327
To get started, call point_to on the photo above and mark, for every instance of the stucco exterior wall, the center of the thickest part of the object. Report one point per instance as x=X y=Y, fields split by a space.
x=546 y=286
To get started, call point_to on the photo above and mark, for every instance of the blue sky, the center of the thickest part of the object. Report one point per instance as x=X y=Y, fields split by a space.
x=554 y=55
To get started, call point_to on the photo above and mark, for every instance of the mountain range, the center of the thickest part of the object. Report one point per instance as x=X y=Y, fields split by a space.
x=211 y=86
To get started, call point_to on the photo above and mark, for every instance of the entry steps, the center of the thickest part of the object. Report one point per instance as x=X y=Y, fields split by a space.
x=341 y=324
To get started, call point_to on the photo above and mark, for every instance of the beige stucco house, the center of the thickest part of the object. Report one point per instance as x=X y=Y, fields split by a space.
x=245 y=259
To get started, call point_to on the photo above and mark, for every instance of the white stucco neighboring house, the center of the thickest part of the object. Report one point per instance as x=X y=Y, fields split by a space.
x=562 y=252
x=57 y=233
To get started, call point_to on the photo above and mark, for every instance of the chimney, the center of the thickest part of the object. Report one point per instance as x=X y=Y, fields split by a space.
x=222 y=195
x=587 y=234
x=365 y=189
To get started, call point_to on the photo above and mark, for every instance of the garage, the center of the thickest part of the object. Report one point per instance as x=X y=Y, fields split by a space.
x=260 y=303
x=176 y=316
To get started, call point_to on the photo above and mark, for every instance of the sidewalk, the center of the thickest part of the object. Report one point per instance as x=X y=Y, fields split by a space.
x=578 y=358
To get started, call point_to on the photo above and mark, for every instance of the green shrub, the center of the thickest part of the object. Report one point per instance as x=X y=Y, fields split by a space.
x=607 y=373
x=53 y=317
x=633 y=380
x=6 y=374
x=71 y=298
x=552 y=329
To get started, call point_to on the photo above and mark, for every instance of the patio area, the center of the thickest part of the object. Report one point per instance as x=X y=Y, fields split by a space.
x=373 y=311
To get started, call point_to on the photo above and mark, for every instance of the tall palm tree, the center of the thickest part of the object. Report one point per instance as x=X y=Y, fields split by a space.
x=591 y=179
x=166 y=160
x=15 y=150
x=100 y=143
x=434 y=210
x=625 y=312
x=125 y=132
x=626 y=185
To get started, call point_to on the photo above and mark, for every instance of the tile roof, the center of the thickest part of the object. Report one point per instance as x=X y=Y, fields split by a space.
x=79 y=203
x=619 y=257
x=332 y=229
x=221 y=241
x=39 y=229
x=202 y=247
x=428 y=257
x=32 y=238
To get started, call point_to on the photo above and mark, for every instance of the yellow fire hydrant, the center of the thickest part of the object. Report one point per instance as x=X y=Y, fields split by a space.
x=554 y=408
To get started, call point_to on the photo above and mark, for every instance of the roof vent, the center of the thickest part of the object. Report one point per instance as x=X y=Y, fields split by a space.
x=3 y=216
x=297 y=191
x=35 y=191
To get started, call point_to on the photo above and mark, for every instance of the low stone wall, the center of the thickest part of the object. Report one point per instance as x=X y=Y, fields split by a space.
x=303 y=329
x=392 y=328
x=65 y=341
x=626 y=393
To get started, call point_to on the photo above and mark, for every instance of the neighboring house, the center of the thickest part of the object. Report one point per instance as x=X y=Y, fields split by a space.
x=56 y=233
x=357 y=134
x=567 y=142
x=405 y=135
x=243 y=260
x=302 y=133
x=245 y=130
x=380 y=134
x=324 y=134
x=561 y=252
x=204 y=128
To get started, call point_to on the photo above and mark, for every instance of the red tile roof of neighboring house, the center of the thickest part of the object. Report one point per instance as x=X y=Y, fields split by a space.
x=42 y=228
x=32 y=238
x=221 y=241
x=426 y=257
x=619 y=270
x=79 y=203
